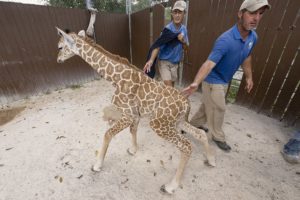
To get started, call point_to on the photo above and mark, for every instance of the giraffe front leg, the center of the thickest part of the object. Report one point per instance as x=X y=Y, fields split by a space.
x=133 y=130
x=201 y=136
x=90 y=30
x=121 y=124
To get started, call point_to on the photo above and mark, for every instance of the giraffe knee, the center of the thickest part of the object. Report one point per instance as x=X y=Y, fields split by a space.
x=186 y=148
x=108 y=136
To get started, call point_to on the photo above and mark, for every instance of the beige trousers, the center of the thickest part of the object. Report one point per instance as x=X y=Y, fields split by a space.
x=212 y=110
x=167 y=70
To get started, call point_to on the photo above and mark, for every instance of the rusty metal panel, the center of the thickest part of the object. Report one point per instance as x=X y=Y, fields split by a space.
x=158 y=20
x=140 y=32
x=28 y=40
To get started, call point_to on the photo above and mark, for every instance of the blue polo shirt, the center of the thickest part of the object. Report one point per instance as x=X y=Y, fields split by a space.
x=173 y=53
x=229 y=52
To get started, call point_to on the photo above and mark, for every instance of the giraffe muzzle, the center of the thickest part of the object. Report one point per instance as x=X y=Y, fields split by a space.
x=60 y=60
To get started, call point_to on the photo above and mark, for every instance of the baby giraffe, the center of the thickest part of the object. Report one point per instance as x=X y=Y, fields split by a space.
x=137 y=95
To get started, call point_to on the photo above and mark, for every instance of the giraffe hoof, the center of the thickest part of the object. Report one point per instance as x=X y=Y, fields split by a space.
x=211 y=163
x=130 y=153
x=93 y=10
x=95 y=169
x=165 y=191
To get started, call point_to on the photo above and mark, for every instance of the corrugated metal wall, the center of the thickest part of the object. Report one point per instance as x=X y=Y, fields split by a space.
x=28 y=41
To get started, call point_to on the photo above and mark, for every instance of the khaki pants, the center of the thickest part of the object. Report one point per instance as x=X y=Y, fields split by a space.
x=212 y=110
x=167 y=70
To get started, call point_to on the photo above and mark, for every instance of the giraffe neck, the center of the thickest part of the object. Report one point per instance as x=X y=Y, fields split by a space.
x=98 y=60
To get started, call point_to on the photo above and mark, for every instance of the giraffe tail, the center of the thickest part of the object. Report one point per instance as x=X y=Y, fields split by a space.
x=201 y=136
x=111 y=114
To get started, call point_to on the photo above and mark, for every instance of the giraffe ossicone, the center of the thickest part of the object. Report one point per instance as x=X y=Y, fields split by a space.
x=137 y=95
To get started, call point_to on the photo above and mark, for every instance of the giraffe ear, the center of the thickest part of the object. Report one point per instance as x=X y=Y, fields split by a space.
x=60 y=32
x=67 y=38
x=82 y=33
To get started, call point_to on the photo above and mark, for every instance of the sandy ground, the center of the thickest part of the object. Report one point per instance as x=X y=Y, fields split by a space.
x=47 y=150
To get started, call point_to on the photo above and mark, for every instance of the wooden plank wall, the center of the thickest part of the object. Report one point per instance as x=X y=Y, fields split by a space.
x=28 y=50
x=28 y=41
x=276 y=64
x=276 y=68
x=143 y=34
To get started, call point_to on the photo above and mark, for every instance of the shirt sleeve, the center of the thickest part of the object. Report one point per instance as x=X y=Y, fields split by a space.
x=219 y=50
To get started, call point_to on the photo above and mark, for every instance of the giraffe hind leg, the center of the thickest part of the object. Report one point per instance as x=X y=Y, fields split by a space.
x=170 y=134
x=133 y=131
x=121 y=124
x=201 y=136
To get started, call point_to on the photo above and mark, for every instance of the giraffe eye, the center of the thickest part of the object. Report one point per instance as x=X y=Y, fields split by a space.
x=59 y=48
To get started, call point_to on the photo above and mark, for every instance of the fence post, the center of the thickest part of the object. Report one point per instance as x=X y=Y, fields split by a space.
x=128 y=12
x=181 y=62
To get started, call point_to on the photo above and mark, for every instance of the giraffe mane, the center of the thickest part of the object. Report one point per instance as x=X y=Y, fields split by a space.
x=114 y=57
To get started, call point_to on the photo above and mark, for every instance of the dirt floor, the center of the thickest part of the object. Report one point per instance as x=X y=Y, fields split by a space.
x=48 y=148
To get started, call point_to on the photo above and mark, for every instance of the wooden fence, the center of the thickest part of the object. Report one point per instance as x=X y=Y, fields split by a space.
x=28 y=48
x=277 y=64
x=276 y=67
x=28 y=52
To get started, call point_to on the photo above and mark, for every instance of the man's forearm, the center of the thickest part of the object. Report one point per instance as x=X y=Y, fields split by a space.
x=247 y=68
x=203 y=72
x=154 y=54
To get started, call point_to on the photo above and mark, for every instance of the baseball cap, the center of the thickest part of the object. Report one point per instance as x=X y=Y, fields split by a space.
x=254 y=5
x=179 y=5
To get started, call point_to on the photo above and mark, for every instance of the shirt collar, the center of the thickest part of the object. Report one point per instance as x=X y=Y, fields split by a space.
x=237 y=34
x=174 y=27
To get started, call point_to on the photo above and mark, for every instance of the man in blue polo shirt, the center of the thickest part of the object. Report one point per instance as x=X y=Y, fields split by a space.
x=169 y=47
x=232 y=49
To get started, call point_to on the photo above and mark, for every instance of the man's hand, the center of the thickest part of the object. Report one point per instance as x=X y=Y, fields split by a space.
x=189 y=90
x=147 y=66
x=249 y=85
x=180 y=37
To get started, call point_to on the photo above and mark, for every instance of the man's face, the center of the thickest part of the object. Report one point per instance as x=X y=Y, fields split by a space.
x=177 y=16
x=250 y=20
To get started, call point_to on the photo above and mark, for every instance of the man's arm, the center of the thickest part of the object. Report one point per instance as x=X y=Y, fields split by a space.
x=149 y=63
x=247 y=68
x=204 y=70
x=180 y=37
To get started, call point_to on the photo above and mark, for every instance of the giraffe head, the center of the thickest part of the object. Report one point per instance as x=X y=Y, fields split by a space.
x=67 y=45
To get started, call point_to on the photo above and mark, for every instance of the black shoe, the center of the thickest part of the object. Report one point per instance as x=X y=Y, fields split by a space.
x=223 y=145
x=293 y=159
x=200 y=127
